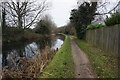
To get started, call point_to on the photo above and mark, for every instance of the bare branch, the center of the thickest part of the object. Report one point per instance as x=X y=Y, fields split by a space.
x=42 y=9
x=109 y=12
x=102 y=5
x=21 y=11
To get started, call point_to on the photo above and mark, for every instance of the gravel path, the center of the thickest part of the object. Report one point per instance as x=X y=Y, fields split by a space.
x=82 y=66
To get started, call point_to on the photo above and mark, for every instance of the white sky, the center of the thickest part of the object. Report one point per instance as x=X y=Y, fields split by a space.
x=60 y=11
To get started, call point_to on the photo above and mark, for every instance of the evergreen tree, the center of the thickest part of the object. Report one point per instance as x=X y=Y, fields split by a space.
x=82 y=17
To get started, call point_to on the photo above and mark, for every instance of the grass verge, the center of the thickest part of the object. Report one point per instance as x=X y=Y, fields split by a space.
x=62 y=65
x=103 y=65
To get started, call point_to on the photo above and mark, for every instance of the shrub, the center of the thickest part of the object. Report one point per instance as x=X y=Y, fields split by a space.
x=94 y=26
x=13 y=30
x=114 y=19
x=42 y=27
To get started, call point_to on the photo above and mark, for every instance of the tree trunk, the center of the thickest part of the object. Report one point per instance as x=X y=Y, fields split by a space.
x=19 y=21
x=3 y=19
x=19 y=15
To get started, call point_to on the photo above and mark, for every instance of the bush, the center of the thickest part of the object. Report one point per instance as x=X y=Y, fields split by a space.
x=94 y=26
x=114 y=19
x=42 y=27
x=13 y=30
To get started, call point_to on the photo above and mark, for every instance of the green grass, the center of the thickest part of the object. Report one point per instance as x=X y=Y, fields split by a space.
x=101 y=64
x=62 y=65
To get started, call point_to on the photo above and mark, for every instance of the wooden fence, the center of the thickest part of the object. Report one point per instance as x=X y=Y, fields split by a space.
x=106 y=38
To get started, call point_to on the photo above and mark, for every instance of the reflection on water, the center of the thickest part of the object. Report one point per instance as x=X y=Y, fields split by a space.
x=12 y=54
x=57 y=45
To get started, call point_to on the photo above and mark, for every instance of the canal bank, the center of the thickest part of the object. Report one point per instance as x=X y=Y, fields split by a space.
x=30 y=60
x=62 y=65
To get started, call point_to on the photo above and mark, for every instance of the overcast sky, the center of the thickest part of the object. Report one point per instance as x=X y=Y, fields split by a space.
x=60 y=10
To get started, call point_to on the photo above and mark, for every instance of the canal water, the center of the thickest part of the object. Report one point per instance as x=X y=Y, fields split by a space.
x=13 y=52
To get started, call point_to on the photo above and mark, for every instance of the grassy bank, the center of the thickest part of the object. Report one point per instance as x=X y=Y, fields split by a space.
x=62 y=64
x=105 y=66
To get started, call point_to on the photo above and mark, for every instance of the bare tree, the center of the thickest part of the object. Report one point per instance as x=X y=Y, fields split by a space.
x=24 y=13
